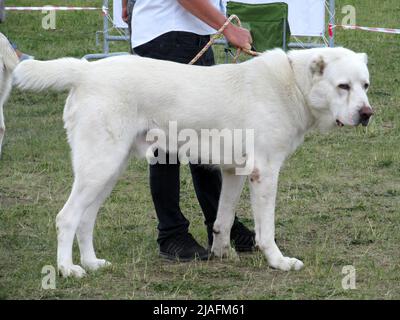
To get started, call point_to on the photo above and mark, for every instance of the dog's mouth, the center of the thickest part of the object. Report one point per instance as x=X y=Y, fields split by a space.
x=339 y=123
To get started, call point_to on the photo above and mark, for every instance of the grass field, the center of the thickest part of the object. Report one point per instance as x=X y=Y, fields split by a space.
x=338 y=201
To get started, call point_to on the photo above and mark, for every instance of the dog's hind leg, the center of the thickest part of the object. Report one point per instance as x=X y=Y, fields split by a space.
x=85 y=233
x=232 y=186
x=97 y=167
x=263 y=189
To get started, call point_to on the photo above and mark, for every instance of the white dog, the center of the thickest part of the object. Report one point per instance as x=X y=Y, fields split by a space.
x=8 y=62
x=113 y=102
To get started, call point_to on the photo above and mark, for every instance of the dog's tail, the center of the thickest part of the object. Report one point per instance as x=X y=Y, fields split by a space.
x=61 y=74
x=7 y=54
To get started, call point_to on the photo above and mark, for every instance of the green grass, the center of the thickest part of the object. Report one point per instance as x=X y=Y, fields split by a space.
x=338 y=201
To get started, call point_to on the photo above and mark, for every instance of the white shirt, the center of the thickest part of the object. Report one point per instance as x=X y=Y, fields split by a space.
x=152 y=18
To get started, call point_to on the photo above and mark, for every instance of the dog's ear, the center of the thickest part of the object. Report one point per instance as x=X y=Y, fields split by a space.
x=318 y=65
x=363 y=57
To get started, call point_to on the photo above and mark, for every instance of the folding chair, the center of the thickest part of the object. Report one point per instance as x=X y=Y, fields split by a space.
x=307 y=20
x=267 y=23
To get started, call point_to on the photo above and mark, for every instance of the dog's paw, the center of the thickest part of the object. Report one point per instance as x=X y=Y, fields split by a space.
x=224 y=251
x=72 y=270
x=286 y=264
x=93 y=265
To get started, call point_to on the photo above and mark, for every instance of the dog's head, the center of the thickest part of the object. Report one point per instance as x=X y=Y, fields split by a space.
x=339 y=85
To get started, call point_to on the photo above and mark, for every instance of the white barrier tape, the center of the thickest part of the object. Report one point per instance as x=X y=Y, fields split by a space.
x=380 y=30
x=50 y=8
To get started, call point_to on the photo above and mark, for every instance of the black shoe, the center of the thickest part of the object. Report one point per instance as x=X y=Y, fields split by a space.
x=182 y=247
x=244 y=240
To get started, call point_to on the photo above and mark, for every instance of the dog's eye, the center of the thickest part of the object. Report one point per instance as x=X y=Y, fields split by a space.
x=344 y=86
x=366 y=86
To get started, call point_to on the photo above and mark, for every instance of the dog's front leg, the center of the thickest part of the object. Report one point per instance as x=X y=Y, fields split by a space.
x=232 y=186
x=263 y=189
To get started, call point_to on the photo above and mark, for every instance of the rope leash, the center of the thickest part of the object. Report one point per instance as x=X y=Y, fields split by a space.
x=215 y=36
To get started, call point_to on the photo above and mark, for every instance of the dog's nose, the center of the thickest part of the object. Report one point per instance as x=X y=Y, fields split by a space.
x=365 y=114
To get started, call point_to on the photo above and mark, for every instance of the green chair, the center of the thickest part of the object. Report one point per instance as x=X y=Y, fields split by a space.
x=268 y=23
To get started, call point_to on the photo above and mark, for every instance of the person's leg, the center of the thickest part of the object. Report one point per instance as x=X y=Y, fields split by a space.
x=165 y=191
x=174 y=239
x=21 y=56
x=207 y=181
x=207 y=184
x=13 y=45
x=182 y=47
x=2 y=11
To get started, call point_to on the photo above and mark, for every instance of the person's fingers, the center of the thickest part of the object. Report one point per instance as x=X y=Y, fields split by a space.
x=249 y=39
x=239 y=37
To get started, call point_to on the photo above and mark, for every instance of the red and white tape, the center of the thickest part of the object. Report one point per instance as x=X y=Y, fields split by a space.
x=349 y=27
x=51 y=8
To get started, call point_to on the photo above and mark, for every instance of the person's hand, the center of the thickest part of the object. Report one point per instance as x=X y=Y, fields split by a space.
x=239 y=37
x=125 y=14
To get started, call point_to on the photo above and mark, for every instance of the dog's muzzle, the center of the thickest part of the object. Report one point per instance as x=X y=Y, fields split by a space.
x=365 y=115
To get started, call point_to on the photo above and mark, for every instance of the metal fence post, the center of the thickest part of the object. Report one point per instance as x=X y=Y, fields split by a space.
x=106 y=48
x=332 y=11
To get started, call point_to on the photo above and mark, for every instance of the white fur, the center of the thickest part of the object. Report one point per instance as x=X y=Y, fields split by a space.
x=112 y=102
x=8 y=62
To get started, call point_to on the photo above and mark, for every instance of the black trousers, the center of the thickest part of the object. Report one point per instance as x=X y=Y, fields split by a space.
x=180 y=47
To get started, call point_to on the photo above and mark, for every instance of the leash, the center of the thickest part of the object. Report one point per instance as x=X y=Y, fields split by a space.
x=215 y=36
